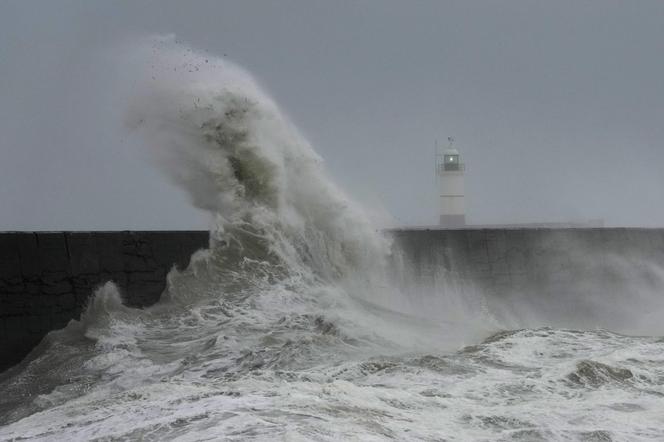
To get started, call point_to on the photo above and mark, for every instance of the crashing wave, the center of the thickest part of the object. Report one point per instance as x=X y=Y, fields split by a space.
x=225 y=141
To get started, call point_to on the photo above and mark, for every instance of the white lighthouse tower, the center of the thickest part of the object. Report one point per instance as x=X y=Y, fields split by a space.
x=450 y=171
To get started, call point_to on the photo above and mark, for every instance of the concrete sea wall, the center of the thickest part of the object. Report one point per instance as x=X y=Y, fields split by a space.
x=508 y=259
x=47 y=277
x=609 y=278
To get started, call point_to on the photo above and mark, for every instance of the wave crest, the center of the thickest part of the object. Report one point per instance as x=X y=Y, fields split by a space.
x=227 y=144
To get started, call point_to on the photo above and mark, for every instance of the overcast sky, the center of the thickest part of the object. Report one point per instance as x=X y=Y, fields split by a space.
x=557 y=106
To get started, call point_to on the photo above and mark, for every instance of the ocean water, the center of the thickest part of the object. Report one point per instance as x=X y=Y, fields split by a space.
x=296 y=323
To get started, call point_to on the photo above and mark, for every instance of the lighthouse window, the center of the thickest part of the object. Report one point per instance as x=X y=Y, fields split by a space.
x=451 y=162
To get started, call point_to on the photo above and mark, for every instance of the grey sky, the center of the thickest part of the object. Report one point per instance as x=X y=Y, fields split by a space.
x=557 y=106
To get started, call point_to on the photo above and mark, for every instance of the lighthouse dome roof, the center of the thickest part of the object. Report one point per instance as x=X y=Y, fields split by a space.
x=451 y=151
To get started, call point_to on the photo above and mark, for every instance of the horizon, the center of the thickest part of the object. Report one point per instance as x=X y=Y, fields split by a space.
x=556 y=108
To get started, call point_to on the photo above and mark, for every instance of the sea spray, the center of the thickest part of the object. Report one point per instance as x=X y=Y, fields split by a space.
x=224 y=140
x=291 y=326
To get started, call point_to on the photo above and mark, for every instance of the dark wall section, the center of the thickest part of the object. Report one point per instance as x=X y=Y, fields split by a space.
x=504 y=260
x=46 y=278
x=579 y=277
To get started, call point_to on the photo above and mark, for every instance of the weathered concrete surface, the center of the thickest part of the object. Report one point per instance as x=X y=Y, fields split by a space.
x=47 y=277
x=580 y=277
x=501 y=260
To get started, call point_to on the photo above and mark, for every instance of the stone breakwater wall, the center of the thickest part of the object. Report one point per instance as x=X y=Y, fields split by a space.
x=571 y=277
x=46 y=278
x=505 y=260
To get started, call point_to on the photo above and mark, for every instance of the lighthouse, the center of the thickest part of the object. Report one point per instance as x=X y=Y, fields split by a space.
x=450 y=171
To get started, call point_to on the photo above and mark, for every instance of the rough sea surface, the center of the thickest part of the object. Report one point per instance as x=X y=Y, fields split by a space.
x=292 y=325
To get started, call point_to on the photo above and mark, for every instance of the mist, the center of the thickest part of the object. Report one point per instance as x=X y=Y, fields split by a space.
x=556 y=108
x=294 y=131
